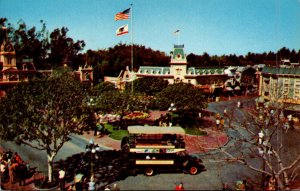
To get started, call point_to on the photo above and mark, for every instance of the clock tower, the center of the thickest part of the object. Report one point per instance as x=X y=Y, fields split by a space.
x=178 y=64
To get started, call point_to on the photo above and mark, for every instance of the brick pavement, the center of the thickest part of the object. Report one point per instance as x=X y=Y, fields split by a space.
x=194 y=144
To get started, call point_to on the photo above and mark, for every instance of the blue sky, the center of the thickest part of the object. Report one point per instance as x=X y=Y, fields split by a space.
x=214 y=26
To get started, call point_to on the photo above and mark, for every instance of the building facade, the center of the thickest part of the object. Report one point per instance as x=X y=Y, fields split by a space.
x=11 y=75
x=281 y=84
x=212 y=80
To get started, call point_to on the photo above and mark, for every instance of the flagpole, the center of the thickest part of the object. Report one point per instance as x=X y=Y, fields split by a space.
x=131 y=47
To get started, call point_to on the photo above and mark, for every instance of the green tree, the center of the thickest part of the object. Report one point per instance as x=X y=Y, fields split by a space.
x=43 y=113
x=104 y=87
x=186 y=98
x=111 y=61
x=63 y=48
x=117 y=102
x=149 y=86
x=47 y=49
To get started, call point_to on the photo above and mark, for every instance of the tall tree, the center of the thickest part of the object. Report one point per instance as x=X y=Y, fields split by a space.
x=43 y=113
x=187 y=99
x=30 y=43
x=63 y=49
x=47 y=51
x=264 y=142
x=149 y=86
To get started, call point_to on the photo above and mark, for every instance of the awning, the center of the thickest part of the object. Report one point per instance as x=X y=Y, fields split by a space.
x=155 y=130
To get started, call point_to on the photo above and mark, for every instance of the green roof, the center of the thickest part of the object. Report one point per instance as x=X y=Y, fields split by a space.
x=154 y=70
x=280 y=70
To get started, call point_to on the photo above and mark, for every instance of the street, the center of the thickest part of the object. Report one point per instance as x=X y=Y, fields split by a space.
x=218 y=171
x=38 y=158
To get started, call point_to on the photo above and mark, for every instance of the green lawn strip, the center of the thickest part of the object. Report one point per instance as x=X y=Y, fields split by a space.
x=116 y=134
x=195 y=131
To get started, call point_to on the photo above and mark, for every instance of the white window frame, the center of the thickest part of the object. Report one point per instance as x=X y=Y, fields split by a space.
x=297 y=89
x=286 y=86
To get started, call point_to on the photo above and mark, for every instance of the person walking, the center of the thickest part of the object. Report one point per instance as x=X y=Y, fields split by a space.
x=11 y=168
x=115 y=187
x=225 y=187
x=179 y=187
x=18 y=158
x=61 y=177
x=218 y=123
x=91 y=184
x=238 y=104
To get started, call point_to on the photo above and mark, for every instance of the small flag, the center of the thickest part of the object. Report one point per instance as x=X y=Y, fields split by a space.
x=122 y=15
x=176 y=32
x=122 y=30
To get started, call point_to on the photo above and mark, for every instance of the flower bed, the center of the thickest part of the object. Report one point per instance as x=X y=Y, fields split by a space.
x=136 y=115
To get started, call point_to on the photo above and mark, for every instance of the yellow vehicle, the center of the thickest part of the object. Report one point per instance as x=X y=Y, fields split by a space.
x=153 y=149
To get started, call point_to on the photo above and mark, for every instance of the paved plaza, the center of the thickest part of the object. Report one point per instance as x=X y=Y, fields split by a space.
x=201 y=146
x=194 y=145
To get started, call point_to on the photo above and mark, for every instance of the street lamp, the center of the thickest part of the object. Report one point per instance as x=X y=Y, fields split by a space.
x=172 y=109
x=261 y=152
x=92 y=148
x=93 y=151
x=264 y=150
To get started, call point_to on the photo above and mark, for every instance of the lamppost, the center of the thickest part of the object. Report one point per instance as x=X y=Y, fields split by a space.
x=172 y=109
x=92 y=148
x=262 y=150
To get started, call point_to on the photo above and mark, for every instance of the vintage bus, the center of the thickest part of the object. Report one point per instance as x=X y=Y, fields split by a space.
x=153 y=149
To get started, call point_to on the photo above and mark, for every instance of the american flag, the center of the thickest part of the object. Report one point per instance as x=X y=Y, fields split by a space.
x=122 y=15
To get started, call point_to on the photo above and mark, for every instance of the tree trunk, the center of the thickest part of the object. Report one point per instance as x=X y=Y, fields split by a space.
x=285 y=179
x=279 y=182
x=50 y=165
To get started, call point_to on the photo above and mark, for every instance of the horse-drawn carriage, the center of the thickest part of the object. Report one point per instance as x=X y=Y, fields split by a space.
x=15 y=170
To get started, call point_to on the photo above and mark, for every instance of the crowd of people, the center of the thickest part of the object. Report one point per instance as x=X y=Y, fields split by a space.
x=14 y=168
x=270 y=184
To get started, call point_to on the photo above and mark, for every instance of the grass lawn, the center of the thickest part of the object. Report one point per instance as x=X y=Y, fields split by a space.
x=116 y=134
x=195 y=131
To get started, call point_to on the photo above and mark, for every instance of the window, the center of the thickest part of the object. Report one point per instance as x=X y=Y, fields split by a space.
x=297 y=89
x=87 y=76
x=266 y=86
x=286 y=86
x=274 y=91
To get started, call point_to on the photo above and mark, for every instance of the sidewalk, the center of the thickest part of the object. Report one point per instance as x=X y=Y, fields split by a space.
x=29 y=185
x=105 y=141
